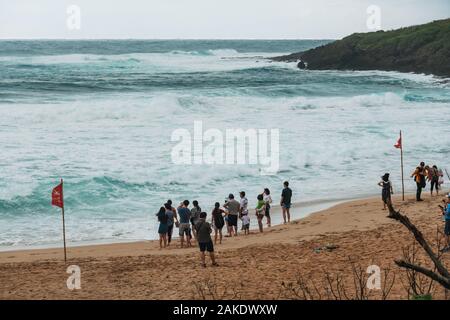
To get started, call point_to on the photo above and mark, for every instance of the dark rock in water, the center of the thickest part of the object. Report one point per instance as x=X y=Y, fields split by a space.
x=420 y=49
x=301 y=65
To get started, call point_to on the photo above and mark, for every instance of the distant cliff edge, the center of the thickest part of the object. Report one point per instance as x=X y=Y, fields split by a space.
x=420 y=49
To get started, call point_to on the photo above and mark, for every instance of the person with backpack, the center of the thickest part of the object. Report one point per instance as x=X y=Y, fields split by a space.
x=419 y=177
x=434 y=179
x=163 y=228
x=203 y=230
x=386 y=190
x=218 y=222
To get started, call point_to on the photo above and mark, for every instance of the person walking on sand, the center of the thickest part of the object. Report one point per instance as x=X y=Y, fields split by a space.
x=162 y=230
x=434 y=179
x=185 y=229
x=203 y=231
x=170 y=222
x=218 y=222
x=260 y=211
x=286 y=197
x=267 y=200
x=195 y=215
x=419 y=177
x=233 y=208
x=386 y=190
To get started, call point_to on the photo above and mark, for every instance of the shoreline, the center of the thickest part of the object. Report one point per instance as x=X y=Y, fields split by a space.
x=316 y=208
x=305 y=208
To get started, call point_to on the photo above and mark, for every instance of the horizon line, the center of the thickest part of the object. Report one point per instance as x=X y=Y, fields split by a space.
x=169 y=39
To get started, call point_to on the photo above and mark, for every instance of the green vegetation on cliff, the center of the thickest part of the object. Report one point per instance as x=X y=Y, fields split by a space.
x=421 y=49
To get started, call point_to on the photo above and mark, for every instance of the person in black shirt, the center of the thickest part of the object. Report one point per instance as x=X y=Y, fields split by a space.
x=285 y=202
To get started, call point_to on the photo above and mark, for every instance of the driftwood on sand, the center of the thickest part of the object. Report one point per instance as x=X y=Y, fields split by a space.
x=442 y=276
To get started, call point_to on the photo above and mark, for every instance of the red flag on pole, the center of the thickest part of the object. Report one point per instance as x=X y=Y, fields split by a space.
x=58 y=200
x=398 y=145
x=57 y=196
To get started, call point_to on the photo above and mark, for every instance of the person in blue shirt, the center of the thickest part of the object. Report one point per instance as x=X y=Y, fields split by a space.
x=184 y=218
x=446 y=213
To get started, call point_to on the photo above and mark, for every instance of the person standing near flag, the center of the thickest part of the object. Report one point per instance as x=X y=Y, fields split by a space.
x=434 y=179
x=419 y=177
x=386 y=190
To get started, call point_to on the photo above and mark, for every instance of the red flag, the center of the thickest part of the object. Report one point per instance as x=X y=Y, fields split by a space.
x=57 y=196
x=398 y=145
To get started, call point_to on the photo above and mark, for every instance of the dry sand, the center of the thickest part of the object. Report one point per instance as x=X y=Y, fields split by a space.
x=257 y=266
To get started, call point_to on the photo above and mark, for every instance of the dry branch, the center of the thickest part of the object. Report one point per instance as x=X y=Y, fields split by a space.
x=443 y=276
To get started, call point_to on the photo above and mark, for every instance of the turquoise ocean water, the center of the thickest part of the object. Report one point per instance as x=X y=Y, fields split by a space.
x=100 y=114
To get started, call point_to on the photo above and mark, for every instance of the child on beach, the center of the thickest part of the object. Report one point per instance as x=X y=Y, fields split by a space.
x=203 y=231
x=386 y=190
x=218 y=222
x=245 y=223
x=260 y=210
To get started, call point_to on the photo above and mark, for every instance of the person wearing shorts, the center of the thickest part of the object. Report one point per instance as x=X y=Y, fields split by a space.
x=185 y=228
x=203 y=231
x=233 y=212
x=286 y=197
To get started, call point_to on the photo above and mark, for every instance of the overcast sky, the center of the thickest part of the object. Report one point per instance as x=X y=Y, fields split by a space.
x=209 y=19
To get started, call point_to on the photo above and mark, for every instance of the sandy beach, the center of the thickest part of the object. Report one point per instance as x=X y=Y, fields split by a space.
x=257 y=266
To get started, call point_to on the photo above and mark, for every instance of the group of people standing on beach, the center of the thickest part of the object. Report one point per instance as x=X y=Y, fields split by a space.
x=424 y=173
x=421 y=175
x=192 y=222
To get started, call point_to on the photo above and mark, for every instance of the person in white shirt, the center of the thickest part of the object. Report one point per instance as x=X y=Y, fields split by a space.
x=267 y=200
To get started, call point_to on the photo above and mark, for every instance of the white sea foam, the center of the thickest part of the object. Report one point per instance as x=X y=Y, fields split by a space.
x=113 y=148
